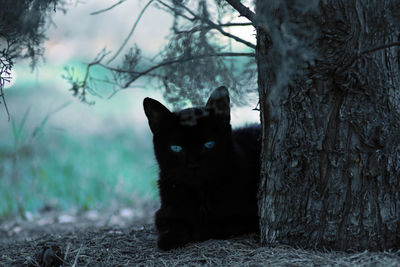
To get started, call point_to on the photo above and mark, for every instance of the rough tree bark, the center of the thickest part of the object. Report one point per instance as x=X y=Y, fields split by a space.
x=331 y=140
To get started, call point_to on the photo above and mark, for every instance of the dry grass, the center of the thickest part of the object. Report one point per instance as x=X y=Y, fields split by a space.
x=136 y=247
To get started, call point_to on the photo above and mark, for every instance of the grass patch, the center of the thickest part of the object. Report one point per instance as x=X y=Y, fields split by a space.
x=40 y=169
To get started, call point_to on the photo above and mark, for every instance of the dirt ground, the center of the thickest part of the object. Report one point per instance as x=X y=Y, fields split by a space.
x=128 y=238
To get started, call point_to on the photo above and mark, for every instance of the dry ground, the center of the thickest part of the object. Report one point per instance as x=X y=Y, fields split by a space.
x=81 y=241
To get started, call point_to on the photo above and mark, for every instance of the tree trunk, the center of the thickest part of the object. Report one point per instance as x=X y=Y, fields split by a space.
x=330 y=174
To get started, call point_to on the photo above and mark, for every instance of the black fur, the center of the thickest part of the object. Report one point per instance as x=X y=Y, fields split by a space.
x=205 y=192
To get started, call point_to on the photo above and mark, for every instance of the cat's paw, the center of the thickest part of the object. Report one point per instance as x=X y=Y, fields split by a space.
x=171 y=240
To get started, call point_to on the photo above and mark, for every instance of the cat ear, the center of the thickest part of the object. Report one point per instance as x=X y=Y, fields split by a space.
x=219 y=102
x=156 y=113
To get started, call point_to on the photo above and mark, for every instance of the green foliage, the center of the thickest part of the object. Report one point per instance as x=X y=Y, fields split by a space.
x=62 y=171
x=22 y=33
x=22 y=26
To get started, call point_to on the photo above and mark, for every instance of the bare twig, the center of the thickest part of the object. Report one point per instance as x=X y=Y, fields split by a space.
x=108 y=8
x=131 y=32
x=77 y=256
x=66 y=252
x=90 y=65
x=79 y=87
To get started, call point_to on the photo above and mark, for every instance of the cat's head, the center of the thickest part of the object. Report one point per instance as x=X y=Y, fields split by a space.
x=191 y=145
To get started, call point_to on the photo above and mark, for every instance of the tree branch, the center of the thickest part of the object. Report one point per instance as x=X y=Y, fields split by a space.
x=227 y=34
x=178 y=60
x=209 y=22
x=235 y=24
x=175 y=11
x=108 y=8
x=243 y=11
x=199 y=28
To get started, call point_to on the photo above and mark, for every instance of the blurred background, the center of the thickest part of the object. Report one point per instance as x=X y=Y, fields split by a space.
x=59 y=153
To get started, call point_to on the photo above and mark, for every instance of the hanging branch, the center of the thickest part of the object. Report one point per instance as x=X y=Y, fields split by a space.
x=180 y=60
x=131 y=32
x=79 y=88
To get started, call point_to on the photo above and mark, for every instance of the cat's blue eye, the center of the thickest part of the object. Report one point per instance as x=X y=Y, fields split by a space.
x=209 y=144
x=176 y=148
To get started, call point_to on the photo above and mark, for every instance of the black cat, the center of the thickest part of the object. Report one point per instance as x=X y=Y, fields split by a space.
x=208 y=173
